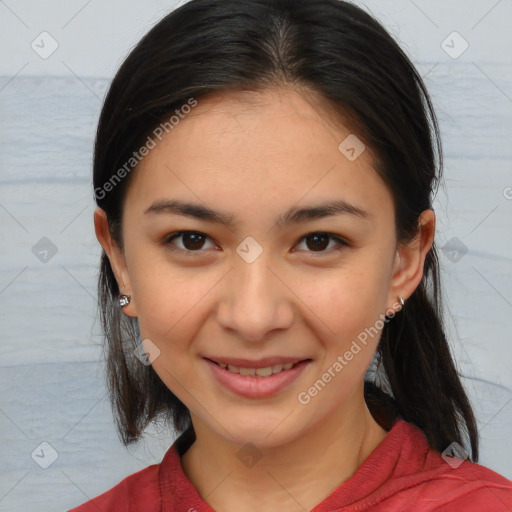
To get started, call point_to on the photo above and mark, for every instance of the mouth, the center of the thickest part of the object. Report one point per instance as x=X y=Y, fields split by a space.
x=264 y=378
x=262 y=368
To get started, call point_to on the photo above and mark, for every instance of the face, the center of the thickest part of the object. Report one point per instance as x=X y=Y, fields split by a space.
x=257 y=275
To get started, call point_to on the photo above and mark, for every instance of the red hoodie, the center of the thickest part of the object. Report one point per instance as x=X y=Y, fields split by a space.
x=401 y=474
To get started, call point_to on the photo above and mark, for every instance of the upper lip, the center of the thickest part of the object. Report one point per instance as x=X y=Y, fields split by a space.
x=251 y=363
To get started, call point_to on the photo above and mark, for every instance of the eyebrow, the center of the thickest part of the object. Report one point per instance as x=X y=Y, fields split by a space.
x=294 y=215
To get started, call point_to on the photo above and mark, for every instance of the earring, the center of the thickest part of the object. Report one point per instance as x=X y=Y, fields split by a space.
x=124 y=300
x=402 y=301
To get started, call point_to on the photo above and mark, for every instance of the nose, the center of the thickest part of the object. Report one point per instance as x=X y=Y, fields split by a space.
x=255 y=300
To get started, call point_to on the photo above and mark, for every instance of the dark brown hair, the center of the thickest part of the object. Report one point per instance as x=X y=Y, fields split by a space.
x=339 y=51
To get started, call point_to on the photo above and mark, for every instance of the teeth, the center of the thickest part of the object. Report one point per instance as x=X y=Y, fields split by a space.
x=264 y=372
x=260 y=372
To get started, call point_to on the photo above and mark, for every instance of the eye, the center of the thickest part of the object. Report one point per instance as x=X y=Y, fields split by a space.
x=318 y=241
x=192 y=241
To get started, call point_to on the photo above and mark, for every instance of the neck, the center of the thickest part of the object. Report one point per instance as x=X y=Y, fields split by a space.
x=295 y=476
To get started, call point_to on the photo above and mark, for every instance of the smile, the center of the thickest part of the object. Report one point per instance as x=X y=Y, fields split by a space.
x=256 y=379
x=267 y=371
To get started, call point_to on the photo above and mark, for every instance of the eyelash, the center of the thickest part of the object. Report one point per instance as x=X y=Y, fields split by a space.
x=340 y=241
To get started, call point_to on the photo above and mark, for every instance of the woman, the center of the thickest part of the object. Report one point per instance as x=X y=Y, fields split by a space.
x=300 y=375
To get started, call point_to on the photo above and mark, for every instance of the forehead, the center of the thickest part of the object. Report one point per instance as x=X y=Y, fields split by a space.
x=255 y=149
x=239 y=115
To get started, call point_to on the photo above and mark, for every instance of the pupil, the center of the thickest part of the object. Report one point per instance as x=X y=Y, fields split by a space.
x=196 y=241
x=316 y=243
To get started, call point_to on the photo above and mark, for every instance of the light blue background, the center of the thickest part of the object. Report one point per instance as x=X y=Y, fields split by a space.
x=51 y=373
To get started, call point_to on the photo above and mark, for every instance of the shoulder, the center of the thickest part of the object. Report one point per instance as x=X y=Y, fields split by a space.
x=469 y=487
x=419 y=478
x=451 y=485
x=137 y=492
x=151 y=488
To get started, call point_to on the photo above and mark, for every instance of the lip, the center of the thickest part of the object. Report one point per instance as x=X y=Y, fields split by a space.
x=260 y=363
x=253 y=386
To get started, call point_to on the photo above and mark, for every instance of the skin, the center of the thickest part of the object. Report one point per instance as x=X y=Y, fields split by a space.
x=254 y=155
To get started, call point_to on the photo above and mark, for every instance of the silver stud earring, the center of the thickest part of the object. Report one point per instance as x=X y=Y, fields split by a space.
x=124 y=300
x=402 y=301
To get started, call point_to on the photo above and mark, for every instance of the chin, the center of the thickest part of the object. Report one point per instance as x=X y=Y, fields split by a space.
x=264 y=432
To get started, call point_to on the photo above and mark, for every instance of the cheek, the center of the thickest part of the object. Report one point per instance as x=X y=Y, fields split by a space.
x=170 y=299
x=346 y=301
x=350 y=306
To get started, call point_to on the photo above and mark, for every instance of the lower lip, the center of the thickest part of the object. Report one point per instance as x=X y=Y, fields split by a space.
x=252 y=386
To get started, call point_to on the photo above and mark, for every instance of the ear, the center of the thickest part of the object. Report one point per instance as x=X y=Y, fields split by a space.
x=116 y=258
x=410 y=260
